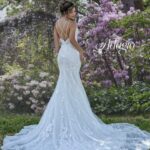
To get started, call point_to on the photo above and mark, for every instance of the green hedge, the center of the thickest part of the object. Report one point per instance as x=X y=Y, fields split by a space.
x=133 y=99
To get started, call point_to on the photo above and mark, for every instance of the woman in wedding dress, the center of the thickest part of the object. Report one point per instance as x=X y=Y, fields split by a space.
x=68 y=122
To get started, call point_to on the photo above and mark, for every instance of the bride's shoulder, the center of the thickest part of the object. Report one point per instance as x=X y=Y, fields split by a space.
x=57 y=21
x=73 y=23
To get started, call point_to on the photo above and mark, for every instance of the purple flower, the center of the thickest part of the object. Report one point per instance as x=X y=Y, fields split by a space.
x=126 y=77
x=106 y=83
x=113 y=16
x=132 y=9
x=147 y=77
x=89 y=5
x=129 y=13
x=91 y=45
x=106 y=18
x=117 y=75
x=124 y=73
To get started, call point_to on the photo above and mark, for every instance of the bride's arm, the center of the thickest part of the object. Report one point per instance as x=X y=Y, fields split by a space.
x=72 y=39
x=56 y=41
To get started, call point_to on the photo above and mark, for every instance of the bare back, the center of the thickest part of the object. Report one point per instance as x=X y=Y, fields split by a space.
x=63 y=28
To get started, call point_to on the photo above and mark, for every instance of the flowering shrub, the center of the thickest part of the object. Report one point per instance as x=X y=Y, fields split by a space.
x=110 y=66
x=21 y=93
x=126 y=100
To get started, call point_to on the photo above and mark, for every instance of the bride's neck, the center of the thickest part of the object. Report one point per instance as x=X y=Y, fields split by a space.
x=67 y=18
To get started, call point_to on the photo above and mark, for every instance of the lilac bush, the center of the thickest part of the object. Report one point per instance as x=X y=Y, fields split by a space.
x=108 y=67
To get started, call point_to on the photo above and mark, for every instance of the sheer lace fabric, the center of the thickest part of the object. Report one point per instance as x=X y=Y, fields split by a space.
x=68 y=122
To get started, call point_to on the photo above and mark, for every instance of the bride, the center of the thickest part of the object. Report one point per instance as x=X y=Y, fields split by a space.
x=68 y=122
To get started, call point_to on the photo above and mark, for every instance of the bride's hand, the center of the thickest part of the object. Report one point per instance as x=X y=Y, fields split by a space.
x=82 y=56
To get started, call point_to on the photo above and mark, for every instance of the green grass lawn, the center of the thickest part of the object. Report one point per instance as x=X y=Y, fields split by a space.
x=12 y=123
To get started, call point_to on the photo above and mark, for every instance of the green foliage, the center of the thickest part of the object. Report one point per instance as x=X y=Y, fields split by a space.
x=141 y=121
x=146 y=3
x=115 y=1
x=16 y=9
x=12 y=123
x=9 y=69
x=133 y=25
x=140 y=61
x=126 y=100
x=2 y=2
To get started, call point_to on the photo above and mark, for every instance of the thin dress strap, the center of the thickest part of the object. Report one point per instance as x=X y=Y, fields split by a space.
x=61 y=28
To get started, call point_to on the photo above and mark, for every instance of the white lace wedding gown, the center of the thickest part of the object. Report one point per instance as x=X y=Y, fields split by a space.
x=68 y=122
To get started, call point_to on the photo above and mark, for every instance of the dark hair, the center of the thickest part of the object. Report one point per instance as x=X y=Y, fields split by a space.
x=66 y=6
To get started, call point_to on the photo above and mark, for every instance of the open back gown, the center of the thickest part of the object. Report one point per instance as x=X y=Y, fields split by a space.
x=68 y=122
